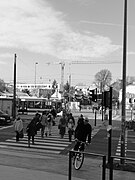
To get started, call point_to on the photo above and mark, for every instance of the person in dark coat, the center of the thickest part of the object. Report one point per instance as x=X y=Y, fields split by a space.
x=32 y=128
x=80 y=119
x=62 y=125
x=54 y=114
x=82 y=133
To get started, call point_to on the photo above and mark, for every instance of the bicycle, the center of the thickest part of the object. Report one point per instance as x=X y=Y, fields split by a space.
x=78 y=157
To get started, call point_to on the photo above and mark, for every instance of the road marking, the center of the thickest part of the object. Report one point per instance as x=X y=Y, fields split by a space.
x=118 y=150
x=33 y=146
x=39 y=143
x=30 y=149
x=50 y=144
x=5 y=127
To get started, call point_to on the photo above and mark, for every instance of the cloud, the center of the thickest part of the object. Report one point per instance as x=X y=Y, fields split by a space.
x=37 y=27
x=131 y=53
x=6 y=55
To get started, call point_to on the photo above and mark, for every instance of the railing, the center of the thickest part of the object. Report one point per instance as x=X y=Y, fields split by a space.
x=112 y=161
x=89 y=154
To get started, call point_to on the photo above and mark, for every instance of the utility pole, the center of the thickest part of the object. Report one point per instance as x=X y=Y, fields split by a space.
x=14 y=97
x=124 y=85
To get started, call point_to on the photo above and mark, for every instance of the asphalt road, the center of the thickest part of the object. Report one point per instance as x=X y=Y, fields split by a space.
x=59 y=163
x=99 y=141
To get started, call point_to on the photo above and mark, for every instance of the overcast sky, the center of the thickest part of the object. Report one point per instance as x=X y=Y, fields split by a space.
x=54 y=31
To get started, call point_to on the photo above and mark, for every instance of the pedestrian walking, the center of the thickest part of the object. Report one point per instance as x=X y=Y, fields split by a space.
x=62 y=125
x=44 y=122
x=18 y=127
x=50 y=121
x=54 y=113
x=32 y=128
x=71 y=124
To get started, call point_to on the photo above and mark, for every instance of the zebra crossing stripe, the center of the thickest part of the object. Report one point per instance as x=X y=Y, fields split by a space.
x=51 y=140
x=26 y=149
x=34 y=146
x=40 y=143
x=118 y=150
x=50 y=144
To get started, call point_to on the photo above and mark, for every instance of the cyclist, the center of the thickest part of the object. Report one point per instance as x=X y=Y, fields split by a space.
x=82 y=133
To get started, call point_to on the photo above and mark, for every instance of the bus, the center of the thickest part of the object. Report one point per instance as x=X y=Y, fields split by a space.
x=28 y=105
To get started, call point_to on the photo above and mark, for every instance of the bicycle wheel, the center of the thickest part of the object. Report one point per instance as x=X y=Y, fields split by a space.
x=78 y=161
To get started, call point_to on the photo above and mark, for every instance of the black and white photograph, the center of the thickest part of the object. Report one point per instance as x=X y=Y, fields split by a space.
x=67 y=89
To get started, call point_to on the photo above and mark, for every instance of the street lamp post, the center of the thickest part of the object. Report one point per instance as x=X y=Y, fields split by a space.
x=124 y=85
x=35 y=72
x=14 y=96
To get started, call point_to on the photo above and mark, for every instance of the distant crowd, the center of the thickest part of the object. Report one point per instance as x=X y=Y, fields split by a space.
x=80 y=129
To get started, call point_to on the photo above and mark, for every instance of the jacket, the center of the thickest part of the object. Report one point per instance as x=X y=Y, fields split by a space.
x=83 y=131
x=18 y=125
x=31 y=128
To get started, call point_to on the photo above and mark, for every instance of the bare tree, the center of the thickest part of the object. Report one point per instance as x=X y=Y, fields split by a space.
x=103 y=79
x=130 y=80
x=2 y=86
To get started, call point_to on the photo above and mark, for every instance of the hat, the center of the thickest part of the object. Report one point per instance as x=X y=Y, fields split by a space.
x=86 y=119
x=81 y=115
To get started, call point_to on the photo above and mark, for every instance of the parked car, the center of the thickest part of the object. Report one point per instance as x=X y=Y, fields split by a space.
x=4 y=118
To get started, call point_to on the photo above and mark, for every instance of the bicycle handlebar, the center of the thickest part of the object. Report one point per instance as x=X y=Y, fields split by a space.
x=86 y=143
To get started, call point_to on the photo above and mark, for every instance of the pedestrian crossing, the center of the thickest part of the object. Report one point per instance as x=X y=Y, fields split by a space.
x=51 y=144
x=118 y=150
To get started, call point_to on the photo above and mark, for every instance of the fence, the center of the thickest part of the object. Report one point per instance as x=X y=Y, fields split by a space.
x=111 y=168
x=103 y=157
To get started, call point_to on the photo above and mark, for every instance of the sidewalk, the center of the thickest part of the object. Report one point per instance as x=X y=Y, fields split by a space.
x=14 y=173
x=23 y=166
x=26 y=166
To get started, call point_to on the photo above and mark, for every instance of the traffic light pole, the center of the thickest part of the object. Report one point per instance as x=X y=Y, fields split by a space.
x=110 y=127
x=95 y=117
x=102 y=106
x=96 y=109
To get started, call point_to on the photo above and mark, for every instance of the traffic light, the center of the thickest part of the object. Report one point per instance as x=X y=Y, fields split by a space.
x=130 y=100
x=106 y=99
x=93 y=95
